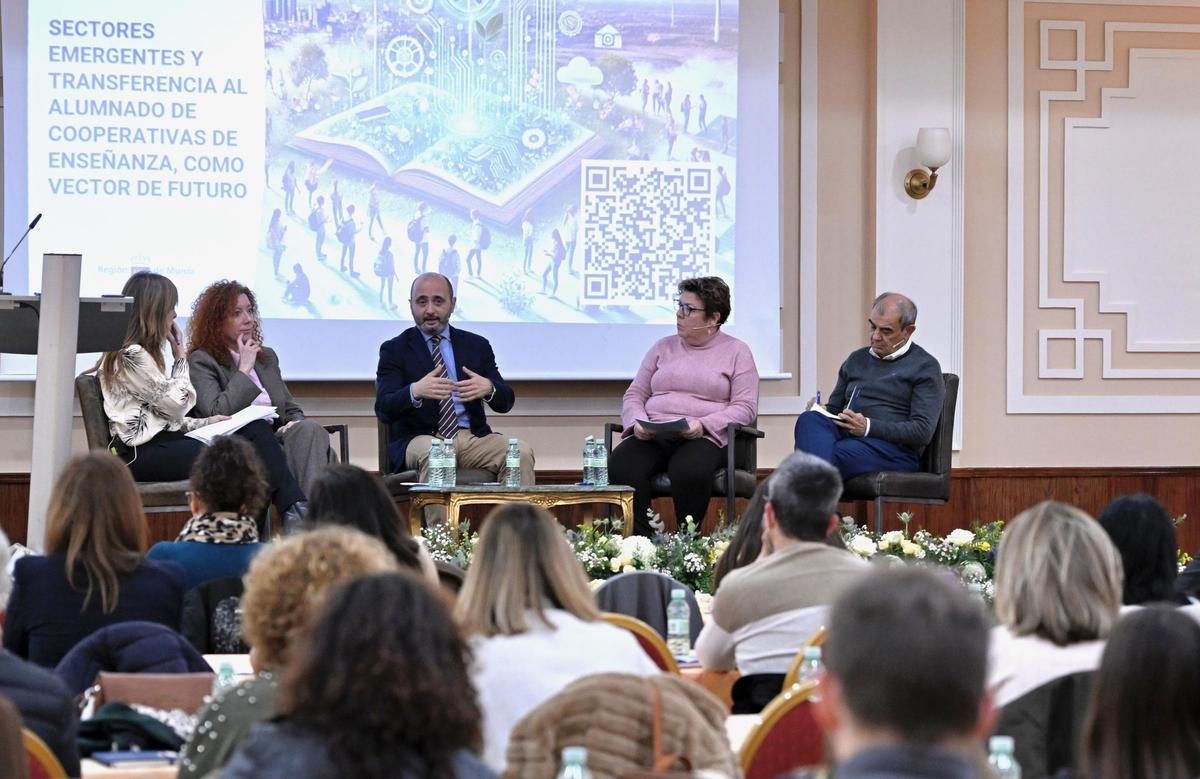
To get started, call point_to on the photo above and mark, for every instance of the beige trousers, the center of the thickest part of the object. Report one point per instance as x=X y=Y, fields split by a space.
x=471 y=451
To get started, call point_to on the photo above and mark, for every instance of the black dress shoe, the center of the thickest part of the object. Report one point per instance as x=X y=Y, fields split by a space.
x=293 y=517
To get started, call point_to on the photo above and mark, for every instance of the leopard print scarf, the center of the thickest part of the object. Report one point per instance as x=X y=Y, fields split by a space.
x=222 y=527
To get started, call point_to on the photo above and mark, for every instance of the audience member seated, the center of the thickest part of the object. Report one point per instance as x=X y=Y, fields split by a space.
x=905 y=667
x=1058 y=593
x=699 y=374
x=94 y=573
x=229 y=488
x=533 y=621
x=351 y=496
x=379 y=689
x=1144 y=721
x=763 y=613
x=232 y=369
x=746 y=545
x=1144 y=534
x=147 y=403
x=286 y=585
x=42 y=699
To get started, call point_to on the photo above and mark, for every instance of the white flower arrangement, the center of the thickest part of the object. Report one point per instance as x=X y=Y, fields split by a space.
x=638 y=550
x=890 y=538
x=862 y=546
x=960 y=537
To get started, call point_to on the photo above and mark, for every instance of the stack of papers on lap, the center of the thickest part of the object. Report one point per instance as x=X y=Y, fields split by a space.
x=817 y=407
x=666 y=430
x=235 y=423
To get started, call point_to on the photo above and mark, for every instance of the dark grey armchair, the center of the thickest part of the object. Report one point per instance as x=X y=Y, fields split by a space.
x=930 y=485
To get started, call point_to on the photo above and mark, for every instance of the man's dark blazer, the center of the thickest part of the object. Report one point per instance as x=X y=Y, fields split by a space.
x=406 y=359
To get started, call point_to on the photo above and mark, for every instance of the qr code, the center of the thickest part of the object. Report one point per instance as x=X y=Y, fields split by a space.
x=646 y=226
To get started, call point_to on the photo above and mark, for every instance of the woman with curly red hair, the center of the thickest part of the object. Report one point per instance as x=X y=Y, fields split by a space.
x=232 y=370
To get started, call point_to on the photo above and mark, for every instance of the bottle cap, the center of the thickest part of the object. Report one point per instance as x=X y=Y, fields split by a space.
x=574 y=755
x=678 y=593
x=512 y=441
x=1001 y=744
x=226 y=668
x=812 y=653
x=590 y=438
x=449 y=442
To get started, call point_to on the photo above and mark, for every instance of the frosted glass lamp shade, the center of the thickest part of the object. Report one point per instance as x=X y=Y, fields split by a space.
x=933 y=146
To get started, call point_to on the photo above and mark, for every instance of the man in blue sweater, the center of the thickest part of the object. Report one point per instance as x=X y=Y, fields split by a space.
x=886 y=403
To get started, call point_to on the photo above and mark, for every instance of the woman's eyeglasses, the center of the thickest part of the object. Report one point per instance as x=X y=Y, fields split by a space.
x=686 y=308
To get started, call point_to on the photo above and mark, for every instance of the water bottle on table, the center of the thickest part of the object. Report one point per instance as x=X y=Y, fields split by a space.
x=574 y=764
x=1001 y=749
x=600 y=464
x=512 y=465
x=679 y=634
x=224 y=678
x=449 y=464
x=435 y=463
x=810 y=669
x=589 y=447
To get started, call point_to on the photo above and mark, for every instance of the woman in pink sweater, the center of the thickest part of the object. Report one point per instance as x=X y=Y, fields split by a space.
x=701 y=375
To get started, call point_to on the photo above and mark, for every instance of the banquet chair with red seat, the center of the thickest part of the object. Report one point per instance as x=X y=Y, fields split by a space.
x=787 y=738
x=42 y=763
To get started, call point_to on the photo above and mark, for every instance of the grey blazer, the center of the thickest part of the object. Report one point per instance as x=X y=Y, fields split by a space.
x=225 y=390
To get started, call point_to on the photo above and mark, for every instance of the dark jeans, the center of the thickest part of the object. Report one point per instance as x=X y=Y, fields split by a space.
x=689 y=463
x=852 y=456
x=421 y=257
x=169 y=455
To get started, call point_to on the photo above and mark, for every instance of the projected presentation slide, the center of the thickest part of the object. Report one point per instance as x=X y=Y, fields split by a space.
x=560 y=162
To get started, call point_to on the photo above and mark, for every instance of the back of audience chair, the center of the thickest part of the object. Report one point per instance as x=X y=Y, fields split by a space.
x=13 y=761
x=787 y=738
x=630 y=724
x=40 y=761
x=1047 y=725
x=645 y=595
x=650 y=642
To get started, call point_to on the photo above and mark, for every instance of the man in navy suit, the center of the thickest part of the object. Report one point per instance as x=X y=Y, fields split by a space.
x=433 y=380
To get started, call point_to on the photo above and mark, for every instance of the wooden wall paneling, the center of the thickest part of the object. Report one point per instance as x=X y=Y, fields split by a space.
x=978 y=495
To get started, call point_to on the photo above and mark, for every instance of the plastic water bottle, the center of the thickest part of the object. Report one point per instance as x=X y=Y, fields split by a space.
x=224 y=679
x=810 y=669
x=589 y=447
x=1001 y=758
x=600 y=464
x=449 y=464
x=679 y=634
x=435 y=464
x=512 y=465
x=574 y=764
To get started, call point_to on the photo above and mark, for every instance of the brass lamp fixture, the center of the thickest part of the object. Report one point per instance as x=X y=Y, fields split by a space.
x=933 y=151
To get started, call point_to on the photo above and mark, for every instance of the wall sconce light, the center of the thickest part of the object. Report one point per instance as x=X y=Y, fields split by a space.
x=933 y=151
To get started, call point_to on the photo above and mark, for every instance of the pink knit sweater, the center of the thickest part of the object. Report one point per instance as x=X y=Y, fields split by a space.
x=716 y=383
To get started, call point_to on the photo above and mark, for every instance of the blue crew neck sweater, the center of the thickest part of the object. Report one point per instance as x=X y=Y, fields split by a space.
x=901 y=397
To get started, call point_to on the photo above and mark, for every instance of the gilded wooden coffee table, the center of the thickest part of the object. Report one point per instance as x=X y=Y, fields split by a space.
x=547 y=496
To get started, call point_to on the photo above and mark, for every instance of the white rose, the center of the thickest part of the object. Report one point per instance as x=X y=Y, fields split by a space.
x=911 y=549
x=890 y=537
x=961 y=537
x=863 y=546
x=615 y=565
x=628 y=569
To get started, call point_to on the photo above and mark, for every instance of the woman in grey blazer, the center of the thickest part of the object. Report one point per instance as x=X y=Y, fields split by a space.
x=231 y=370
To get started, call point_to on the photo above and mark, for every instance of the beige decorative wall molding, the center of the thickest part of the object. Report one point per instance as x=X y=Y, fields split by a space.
x=1115 y=235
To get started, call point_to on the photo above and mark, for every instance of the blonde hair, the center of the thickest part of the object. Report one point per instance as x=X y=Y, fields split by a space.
x=154 y=296
x=1058 y=575
x=96 y=520
x=522 y=563
x=289 y=580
